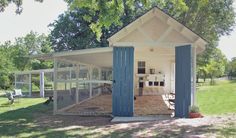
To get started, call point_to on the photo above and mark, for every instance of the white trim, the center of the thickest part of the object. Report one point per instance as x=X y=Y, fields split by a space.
x=32 y=71
x=21 y=82
x=83 y=51
x=85 y=81
x=154 y=44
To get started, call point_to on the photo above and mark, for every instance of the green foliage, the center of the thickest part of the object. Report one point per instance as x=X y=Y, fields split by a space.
x=215 y=67
x=18 y=3
x=208 y=18
x=71 y=32
x=111 y=12
x=194 y=109
x=16 y=56
x=231 y=68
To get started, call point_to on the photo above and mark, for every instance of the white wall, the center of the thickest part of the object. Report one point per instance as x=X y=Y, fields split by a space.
x=160 y=61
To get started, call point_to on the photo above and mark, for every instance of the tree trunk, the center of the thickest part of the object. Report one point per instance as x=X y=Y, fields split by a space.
x=197 y=80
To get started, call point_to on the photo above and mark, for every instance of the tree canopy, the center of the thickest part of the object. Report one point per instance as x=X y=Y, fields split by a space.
x=209 y=18
x=231 y=68
x=16 y=56
x=88 y=23
x=18 y=3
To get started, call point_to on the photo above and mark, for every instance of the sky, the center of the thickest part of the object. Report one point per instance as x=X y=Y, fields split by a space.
x=37 y=16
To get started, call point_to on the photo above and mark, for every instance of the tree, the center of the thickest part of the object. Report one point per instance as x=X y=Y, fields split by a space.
x=231 y=68
x=216 y=66
x=16 y=56
x=6 y=66
x=208 y=18
x=18 y=3
x=72 y=32
x=111 y=12
x=28 y=45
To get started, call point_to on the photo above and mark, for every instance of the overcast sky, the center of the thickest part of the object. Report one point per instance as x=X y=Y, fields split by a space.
x=37 y=17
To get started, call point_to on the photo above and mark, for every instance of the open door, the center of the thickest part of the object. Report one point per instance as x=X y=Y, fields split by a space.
x=123 y=81
x=183 y=81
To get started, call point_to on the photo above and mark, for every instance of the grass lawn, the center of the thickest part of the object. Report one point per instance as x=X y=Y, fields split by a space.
x=217 y=99
x=30 y=118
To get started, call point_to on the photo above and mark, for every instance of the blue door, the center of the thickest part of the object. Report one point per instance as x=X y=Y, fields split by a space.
x=123 y=92
x=183 y=75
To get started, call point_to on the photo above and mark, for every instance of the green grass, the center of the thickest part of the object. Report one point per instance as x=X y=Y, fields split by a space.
x=217 y=99
x=21 y=118
x=17 y=119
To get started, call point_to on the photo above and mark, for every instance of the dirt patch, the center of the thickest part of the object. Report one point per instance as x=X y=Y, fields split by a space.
x=54 y=121
x=209 y=126
x=151 y=105
x=143 y=105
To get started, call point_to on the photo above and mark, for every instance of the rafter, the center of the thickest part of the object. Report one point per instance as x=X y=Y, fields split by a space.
x=145 y=34
x=165 y=34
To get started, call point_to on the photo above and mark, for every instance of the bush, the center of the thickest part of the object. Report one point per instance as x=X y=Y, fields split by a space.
x=194 y=109
x=4 y=81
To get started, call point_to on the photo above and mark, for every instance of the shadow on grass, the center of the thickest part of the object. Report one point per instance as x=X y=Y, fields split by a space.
x=38 y=121
x=19 y=121
x=233 y=81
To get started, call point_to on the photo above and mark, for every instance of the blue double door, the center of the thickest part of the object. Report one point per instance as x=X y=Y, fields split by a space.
x=123 y=81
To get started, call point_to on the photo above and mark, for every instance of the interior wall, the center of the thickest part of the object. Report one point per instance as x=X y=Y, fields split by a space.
x=161 y=62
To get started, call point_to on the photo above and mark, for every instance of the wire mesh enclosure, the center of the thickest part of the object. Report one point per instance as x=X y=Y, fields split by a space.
x=23 y=82
x=30 y=82
x=76 y=83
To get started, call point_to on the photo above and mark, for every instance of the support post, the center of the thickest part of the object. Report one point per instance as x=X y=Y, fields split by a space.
x=15 y=81
x=41 y=84
x=100 y=78
x=90 y=84
x=55 y=87
x=194 y=69
x=70 y=78
x=77 y=83
x=30 y=84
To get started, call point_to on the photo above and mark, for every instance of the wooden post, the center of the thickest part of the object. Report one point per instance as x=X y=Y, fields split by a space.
x=90 y=84
x=41 y=84
x=15 y=80
x=55 y=87
x=77 y=83
x=30 y=84
x=194 y=62
x=100 y=78
x=70 y=78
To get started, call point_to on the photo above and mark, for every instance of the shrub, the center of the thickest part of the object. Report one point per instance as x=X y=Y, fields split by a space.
x=194 y=109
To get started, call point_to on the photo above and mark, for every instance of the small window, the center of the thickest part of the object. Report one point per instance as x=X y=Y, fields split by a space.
x=162 y=83
x=141 y=67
